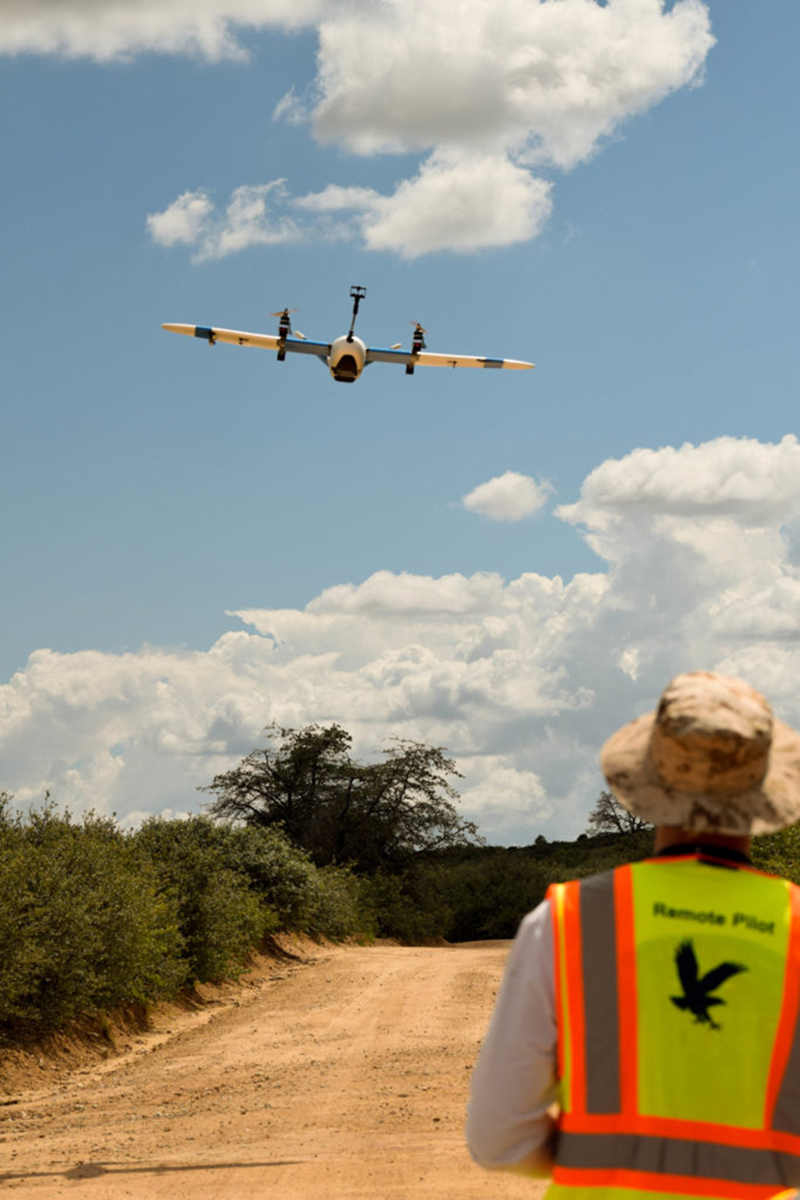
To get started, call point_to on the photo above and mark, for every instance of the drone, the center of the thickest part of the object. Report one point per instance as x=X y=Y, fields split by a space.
x=346 y=356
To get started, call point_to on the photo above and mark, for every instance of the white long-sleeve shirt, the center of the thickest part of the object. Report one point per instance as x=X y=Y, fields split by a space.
x=514 y=1082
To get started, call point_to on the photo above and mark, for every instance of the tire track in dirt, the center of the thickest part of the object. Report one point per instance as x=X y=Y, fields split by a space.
x=343 y=1079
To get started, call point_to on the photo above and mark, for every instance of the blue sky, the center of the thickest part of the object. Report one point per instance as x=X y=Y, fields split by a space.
x=150 y=485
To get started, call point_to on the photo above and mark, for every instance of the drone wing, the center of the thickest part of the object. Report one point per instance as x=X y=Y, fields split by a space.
x=266 y=341
x=424 y=359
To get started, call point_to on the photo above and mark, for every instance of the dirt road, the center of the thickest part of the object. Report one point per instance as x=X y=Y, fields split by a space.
x=340 y=1076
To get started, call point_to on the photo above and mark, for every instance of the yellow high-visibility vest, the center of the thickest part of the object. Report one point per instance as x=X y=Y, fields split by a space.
x=677 y=993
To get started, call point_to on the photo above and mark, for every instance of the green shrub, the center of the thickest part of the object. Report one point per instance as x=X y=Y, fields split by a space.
x=281 y=874
x=488 y=898
x=337 y=905
x=82 y=925
x=91 y=918
x=219 y=916
x=404 y=908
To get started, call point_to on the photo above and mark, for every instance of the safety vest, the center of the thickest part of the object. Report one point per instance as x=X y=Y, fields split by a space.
x=677 y=993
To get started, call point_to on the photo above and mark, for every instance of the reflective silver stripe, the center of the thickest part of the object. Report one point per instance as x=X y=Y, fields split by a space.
x=673 y=1156
x=599 y=955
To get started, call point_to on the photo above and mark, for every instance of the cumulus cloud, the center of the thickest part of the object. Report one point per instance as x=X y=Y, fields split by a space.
x=743 y=478
x=527 y=85
x=186 y=221
x=460 y=203
x=546 y=80
x=194 y=220
x=443 y=208
x=508 y=497
x=108 y=30
x=522 y=680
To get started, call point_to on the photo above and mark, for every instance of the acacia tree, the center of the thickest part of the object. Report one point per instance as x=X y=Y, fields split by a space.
x=373 y=815
x=608 y=816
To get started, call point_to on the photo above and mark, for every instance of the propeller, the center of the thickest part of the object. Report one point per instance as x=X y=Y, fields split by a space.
x=419 y=332
x=283 y=314
x=418 y=342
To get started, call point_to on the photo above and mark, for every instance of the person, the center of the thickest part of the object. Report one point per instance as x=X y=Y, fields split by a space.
x=645 y=1040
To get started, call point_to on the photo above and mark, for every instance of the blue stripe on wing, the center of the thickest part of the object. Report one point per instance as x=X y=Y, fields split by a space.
x=320 y=349
x=390 y=356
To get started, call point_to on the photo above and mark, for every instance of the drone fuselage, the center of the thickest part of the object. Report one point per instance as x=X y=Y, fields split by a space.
x=347 y=358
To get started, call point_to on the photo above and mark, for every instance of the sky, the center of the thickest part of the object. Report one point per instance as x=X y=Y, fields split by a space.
x=198 y=541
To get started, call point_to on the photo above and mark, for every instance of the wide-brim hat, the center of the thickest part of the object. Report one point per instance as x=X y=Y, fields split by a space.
x=712 y=757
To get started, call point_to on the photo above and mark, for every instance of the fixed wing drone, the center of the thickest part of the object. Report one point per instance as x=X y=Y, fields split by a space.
x=347 y=355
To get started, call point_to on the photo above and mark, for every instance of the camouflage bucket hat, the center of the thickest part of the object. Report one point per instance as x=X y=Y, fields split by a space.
x=711 y=757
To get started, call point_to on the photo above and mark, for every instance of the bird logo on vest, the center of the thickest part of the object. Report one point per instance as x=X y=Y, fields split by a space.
x=697 y=996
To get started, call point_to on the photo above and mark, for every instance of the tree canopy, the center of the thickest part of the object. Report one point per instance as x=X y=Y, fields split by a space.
x=373 y=815
x=608 y=816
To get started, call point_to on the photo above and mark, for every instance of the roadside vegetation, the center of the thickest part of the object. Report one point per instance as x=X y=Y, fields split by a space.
x=299 y=838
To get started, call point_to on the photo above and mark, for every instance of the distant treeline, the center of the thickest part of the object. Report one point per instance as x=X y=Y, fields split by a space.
x=93 y=918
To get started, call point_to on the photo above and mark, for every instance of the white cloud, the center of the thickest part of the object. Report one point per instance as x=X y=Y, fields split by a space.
x=508 y=497
x=743 y=478
x=186 y=221
x=456 y=202
x=336 y=199
x=193 y=220
x=443 y=208
x=526 y=84
x=459 y=203
x=547 y=80
x=521 y=680
x=108 y=30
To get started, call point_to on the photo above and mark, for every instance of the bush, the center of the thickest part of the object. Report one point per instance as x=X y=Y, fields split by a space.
x=219 y=917
x=82 y=925
x=91 y=918
x=338 y=905
x=281 y=874
x=404 y=908
x=489 y=898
